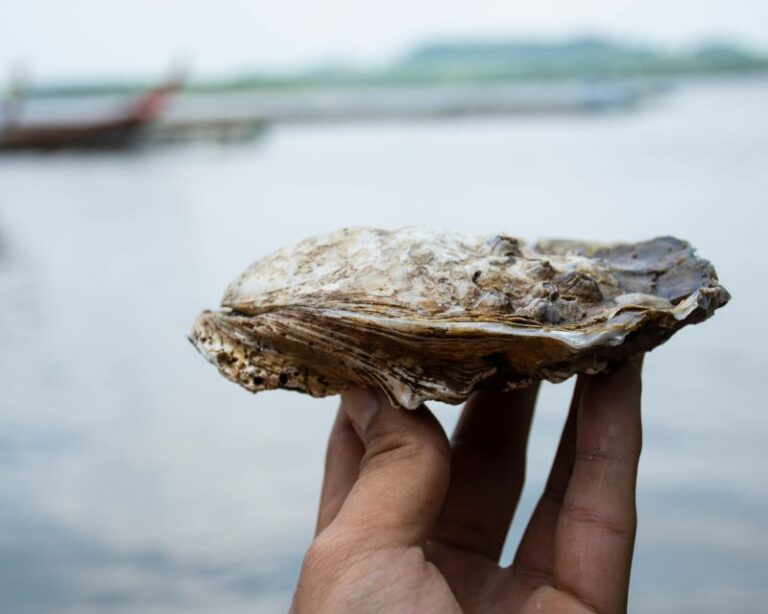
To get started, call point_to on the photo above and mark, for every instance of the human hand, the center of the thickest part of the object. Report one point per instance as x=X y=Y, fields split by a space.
x=411 y=523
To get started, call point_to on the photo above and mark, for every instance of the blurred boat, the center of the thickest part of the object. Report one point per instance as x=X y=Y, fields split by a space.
x=120 y=132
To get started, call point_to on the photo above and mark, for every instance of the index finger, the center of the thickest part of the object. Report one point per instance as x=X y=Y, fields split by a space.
x=342 y=462
x=595 y=533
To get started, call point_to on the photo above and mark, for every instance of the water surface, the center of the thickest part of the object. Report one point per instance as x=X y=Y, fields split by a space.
x=134 y=479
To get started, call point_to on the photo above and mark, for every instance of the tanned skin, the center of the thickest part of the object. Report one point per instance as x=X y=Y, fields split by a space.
x=410 y=522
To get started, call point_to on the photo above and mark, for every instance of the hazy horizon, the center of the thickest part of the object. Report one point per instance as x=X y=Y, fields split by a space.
x=142 y=39
x=496 y=46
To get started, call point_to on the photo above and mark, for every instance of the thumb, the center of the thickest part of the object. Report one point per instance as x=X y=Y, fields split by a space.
x=403 y=474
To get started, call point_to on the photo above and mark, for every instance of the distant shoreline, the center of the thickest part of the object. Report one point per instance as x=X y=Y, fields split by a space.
x=466 y=63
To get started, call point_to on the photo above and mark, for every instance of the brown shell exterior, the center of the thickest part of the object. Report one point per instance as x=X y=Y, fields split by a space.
x=433 y=315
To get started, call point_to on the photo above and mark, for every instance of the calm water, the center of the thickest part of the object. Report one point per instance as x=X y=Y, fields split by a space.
x=134 y=479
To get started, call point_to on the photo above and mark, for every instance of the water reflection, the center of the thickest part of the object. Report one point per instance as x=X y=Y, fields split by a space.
x=50 y=569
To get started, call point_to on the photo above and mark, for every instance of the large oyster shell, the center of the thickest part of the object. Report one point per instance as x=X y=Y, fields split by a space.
x=428 y=314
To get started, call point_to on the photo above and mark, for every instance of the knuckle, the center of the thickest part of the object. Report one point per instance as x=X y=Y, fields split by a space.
x=316 y=559
x=383 y=447
x=619 y=526
x=599 y=455
x=624 y=460
x=324 y=554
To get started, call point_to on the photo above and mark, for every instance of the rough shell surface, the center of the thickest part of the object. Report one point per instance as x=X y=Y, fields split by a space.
x=428 y=314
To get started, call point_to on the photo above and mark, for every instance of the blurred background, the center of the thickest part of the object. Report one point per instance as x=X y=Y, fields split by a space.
x=150 y=150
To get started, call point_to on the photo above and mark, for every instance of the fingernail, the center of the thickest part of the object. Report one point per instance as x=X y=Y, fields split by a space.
x=361 y=405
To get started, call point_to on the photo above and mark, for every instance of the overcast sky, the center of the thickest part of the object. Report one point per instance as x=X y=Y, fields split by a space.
x=60 y=39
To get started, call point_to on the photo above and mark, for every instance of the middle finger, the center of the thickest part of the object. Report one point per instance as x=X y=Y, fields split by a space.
x=487 y=470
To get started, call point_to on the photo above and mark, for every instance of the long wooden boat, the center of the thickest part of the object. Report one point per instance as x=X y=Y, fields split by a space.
x=121 y=132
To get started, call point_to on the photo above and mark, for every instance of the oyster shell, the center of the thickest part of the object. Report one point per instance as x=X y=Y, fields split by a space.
x=427 y=314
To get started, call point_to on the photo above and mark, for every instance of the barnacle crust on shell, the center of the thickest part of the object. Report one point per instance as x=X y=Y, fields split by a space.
x=433 y=315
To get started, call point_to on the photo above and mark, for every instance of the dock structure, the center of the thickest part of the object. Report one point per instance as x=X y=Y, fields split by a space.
x=236 y=111
x=218 y=129
x=237 y=116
